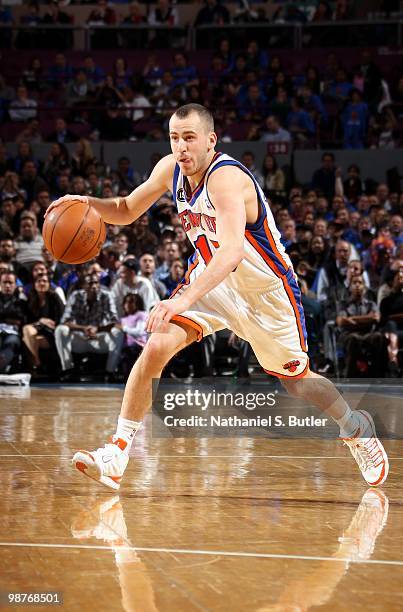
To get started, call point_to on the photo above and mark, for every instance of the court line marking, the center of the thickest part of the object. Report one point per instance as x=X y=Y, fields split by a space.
x=67 y=457
x=219 y=553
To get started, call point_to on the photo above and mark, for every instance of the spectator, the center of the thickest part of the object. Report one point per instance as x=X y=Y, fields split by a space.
x=135 y=16
x=78 y=89
x=60 y=72
x=339 y=89
x=392 y=319
x=41 y=205
x=57 y=160
x=343 y=11
x=12 y=318
x=274 y=179
x=133 y=323
x=61 y=133
x=212 y=13
x=22 y=108
x=280 y=107
x=334 y=272
x=143 y=239
x=352 y=186
x=108 y=93
x=274 y=132
x=163 y=14
x=182 y=72
x=323 y=12
x=372 y=79
x=121 y=74
x=57 y=38
x=176 y=274
x=24 y=153
x=355 y=121
x=29 y=242
x=7 y=254
x=29 y=38
x=95 y=74
x=31 y=182
x=115 y=126
x=147 y=270
x=363 y=346
x=82 y=157
x=88 y=326
x=248 y=160
x=129 y=281
x=102 y=15
x=288 y=233
x=127 y=178
x=324 y=178
x=299 y=122
x=169 y=255
x=44 y=311
x=254 y=106
x=30 y=134
x=136 y=103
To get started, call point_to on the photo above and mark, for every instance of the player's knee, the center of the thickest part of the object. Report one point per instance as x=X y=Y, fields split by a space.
x=293 y=387
x=159 y=350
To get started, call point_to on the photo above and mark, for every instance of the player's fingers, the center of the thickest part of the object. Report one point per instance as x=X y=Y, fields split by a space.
x=56 y=203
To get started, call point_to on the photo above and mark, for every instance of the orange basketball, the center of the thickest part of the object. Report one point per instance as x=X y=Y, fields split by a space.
x=74 y=232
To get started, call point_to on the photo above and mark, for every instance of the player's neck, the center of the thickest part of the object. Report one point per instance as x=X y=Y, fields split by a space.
x=195 y=179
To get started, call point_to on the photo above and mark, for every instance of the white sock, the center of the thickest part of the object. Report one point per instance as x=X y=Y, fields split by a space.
x=126 y=430
x=348 y=423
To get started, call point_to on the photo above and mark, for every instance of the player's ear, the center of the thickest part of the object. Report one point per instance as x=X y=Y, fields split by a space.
x=212 y=140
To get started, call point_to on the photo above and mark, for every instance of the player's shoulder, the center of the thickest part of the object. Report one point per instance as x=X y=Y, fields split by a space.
x=226 y=172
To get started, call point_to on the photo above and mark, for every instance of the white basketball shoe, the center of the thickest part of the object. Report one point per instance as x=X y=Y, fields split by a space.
x=105 y=465
x=368 y=451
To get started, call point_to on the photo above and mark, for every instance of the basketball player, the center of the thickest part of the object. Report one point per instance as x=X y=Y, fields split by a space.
x=239 y=278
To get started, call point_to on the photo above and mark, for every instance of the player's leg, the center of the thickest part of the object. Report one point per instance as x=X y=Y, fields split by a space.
x=357 y=428
x=107 y=464
x=278 y=338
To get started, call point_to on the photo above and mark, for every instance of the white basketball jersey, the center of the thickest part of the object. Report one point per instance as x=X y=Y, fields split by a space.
x=265 y=259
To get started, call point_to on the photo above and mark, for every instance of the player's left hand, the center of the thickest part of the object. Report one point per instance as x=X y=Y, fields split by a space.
x=163 y=312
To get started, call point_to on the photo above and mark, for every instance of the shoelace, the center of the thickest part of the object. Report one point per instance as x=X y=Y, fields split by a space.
x=367 y=454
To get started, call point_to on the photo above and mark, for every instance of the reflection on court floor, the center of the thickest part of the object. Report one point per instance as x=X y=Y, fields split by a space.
x=199 y=524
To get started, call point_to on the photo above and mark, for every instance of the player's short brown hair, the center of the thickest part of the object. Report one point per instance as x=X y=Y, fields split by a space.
x=202 y=111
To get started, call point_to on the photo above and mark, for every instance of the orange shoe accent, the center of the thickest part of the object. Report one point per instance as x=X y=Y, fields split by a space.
x=119 y=442
x=81 y=466
x=115 y=478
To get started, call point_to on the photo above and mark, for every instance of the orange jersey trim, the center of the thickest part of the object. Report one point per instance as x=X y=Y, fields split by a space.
x=190 y=323
x=186 y=280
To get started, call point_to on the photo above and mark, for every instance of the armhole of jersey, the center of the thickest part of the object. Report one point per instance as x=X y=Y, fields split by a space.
x=175 y=181
x=230 y=162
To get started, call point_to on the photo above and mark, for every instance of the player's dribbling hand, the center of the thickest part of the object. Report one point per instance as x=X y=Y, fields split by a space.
x=66 y=198
x=163 y=312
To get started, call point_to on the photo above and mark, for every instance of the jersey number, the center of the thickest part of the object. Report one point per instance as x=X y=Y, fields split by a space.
x=203 y=247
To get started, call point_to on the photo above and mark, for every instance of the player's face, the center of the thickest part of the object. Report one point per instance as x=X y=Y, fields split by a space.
x=191 y=143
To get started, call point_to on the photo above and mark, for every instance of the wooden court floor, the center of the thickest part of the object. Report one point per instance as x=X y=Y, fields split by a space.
x=228 y=524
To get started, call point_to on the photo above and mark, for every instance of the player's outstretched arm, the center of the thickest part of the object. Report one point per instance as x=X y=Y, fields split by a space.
x=122 y=211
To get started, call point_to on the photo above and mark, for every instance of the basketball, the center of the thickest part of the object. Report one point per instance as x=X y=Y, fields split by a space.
x=74 y=232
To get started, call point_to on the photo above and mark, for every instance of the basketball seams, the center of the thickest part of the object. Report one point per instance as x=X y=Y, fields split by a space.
x=76 y=234
x=55 y=223
x=82 y=259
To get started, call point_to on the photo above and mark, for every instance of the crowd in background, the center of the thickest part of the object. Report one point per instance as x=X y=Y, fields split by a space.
x=343 y=232
x=254 y=96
